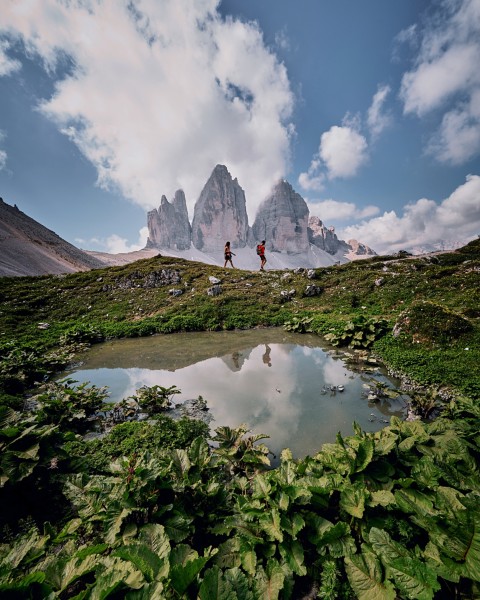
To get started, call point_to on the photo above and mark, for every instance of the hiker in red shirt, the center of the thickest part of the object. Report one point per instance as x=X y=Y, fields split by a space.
x=261 y=254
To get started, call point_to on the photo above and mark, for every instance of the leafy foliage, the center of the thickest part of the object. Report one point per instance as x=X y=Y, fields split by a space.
x=360 y=332
x=154 y=511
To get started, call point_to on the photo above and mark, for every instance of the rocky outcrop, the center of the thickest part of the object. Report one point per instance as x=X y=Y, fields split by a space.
x=324 y=237
x=169 y=227
x=282 y=220
x=359 y=249
x=220 y=214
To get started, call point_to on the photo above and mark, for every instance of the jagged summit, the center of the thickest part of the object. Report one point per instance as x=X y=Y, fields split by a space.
x=220 y=213
x=283 y=220
x=169 y=224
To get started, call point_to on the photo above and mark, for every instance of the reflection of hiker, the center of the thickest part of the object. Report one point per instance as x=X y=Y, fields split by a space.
x=261 y=254
x=236 y=359
x=266 y=356
x=228 y=254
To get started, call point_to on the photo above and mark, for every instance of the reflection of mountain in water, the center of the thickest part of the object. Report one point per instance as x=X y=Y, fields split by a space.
x=236 y=360
x=173 y=352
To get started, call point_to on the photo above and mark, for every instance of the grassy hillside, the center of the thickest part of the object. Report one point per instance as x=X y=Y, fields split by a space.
x=435 y=301
x=153 y=510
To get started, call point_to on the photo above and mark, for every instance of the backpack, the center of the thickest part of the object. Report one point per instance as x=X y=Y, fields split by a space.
x=259 y=252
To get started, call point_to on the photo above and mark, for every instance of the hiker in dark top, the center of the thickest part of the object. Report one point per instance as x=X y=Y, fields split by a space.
x=228 y=254
x=261 y=254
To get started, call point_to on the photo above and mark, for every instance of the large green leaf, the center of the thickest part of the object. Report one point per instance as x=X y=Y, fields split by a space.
x=270 y=524
x=413 y=501
x=239 y=583
x=28 y=544
x=381 y=497
x=229 y=553
x=365 y=575
x=413 y=577
x=364 y=455
x=292 y=554
x=186 y=565
x=385 y=441
x=115 y=575
x=293 y=525
x=353 y=498
x=148 y=592
x=215 y=586
x=248 y=558
x=114 y=522
x=144 y=559
x=269 y=582
x=261 y=486
x=460 y=544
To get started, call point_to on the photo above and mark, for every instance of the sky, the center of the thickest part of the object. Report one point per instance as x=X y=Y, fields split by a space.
x=371 y=111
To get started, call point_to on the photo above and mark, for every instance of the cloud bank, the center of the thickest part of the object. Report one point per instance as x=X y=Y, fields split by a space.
x=446 y=80
x=425 y=223
x=157 y=93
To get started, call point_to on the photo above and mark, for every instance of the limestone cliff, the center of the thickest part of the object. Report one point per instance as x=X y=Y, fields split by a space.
x=282 y=220
x=220 y=214
x=169 y=227
x=325 y=237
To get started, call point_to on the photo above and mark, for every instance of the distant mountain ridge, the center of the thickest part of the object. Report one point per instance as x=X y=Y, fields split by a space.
x=29 y=248
x=283 y=220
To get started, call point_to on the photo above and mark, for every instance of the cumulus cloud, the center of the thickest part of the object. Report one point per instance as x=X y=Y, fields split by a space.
x=334 y=210
x=160 y=92
x=7 y=65
x=115 y=244
x=424 y=223
x=446 y=78
x=343 y=150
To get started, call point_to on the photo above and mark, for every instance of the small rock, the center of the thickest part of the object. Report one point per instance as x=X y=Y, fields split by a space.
x=214 y=280
x=215 y=290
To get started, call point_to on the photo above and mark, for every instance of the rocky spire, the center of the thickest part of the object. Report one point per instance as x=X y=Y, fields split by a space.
x=220 y=214
x=282 y=220
x=324 y=237
x=168 y=227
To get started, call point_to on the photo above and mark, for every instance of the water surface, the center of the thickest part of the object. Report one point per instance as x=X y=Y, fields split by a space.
x=277 y=382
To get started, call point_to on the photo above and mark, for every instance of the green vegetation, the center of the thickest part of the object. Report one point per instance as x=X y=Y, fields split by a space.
x=151 y=510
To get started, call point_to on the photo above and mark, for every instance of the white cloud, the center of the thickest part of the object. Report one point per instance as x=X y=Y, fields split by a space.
x=458 y=137
x=115 y=244
x=313 y=179
x=377 y=118
x=446 y=78
x=343 y=150
x=282 y=40
x=3 y=154
x=3 y=160
x=7 y=65
x=161 y=93
x=423 y=223
x=334 y=210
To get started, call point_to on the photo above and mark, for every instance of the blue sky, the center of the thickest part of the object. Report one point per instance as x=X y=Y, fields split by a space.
x=371 y=110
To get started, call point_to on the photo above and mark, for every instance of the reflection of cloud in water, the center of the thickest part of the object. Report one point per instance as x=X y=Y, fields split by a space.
x=334 y=371
x=275 y=388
